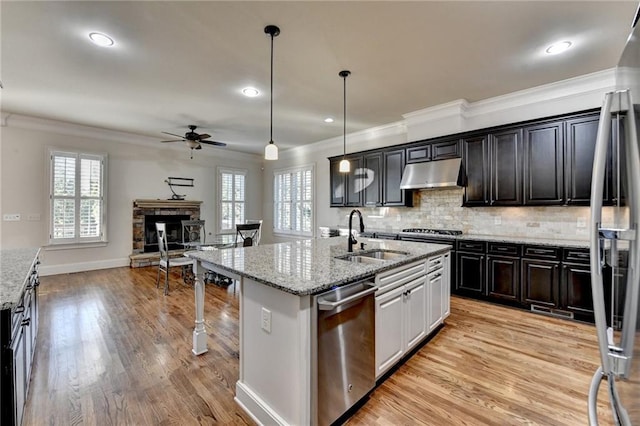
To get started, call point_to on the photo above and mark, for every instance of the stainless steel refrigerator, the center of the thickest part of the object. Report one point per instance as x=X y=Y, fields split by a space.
x=615 y=242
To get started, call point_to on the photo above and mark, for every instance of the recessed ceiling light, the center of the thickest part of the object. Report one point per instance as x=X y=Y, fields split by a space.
x=101 y=39
x=559 y=47
x=250 y=92
x=328 y=120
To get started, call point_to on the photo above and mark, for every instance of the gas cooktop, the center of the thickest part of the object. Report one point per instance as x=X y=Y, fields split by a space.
x=433 y=231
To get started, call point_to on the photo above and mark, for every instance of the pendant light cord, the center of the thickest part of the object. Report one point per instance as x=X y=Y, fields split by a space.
x=344 y=119
x=271 y=102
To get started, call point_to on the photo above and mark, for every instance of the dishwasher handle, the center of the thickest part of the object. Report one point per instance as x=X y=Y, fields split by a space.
x=326 y=305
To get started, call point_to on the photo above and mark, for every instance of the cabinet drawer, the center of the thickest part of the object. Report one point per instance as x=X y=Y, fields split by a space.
x=542 y=252
x=505 y=249
x=434 y=263
x=391 y=279
x=576 y=255
x=472 y=246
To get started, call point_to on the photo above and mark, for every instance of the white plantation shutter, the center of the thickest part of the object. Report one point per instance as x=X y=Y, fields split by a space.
x=231 y=198
x=293 y=201
x=77 y=197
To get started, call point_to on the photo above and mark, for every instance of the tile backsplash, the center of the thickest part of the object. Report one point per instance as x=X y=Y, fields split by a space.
x=442 y=209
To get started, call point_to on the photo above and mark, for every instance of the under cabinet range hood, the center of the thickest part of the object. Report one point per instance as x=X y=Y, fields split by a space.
x=433 y=174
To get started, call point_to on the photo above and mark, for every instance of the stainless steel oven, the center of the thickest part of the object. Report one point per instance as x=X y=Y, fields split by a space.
x=343 y=349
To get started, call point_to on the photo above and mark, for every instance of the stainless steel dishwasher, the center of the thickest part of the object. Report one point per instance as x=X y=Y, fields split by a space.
x=343 y=359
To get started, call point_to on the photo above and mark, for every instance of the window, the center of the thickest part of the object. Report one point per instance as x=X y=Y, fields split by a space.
x=77 y=198
x=293 y=201
x=232 y=198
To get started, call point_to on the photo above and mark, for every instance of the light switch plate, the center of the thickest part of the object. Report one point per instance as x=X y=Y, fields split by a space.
x=33 y=217
x=497 y=220
x=582 y=222
x=11 y=217
x=266 y=320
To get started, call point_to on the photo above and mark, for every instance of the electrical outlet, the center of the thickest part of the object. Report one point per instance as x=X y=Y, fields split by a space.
x=582 y=222
x=33 y=217
x=266 y=320
x=497 y=220
x=12 y=217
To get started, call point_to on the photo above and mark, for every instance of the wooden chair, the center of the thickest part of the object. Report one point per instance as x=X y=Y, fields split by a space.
x=165 y=262
x=193 y=233
x=256 y=240
x=246 y=234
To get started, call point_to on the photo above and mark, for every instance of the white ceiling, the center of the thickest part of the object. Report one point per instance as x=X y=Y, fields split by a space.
x=177 y=63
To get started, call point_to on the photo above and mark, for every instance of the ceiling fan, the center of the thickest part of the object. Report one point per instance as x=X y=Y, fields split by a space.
x=193 y=139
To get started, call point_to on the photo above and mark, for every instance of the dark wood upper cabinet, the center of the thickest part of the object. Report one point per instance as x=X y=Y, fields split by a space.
x=506 y=167
x=445 y=149
x=419 y=153
x=336 y=183
x=373 y=179
x=355 y=181
x=579 y=153
x=475 y=151
x=392 y=195
x=544 y=164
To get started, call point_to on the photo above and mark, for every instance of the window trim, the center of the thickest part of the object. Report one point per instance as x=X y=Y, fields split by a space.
x=289 y=232
x=234 y=171
x=78 y=241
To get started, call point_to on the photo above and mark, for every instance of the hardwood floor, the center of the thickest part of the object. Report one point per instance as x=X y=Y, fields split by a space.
x=113 y=350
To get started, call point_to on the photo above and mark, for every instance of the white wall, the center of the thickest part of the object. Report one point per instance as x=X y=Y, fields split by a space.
x=137 y=168
x=566 y=96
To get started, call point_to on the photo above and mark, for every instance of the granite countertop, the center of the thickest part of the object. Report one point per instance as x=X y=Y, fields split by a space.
x=15 y=266
x=496 y=238
x=309 y=266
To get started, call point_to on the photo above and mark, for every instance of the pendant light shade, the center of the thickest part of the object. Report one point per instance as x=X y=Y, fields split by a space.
x=271 y=150
x=345 y=166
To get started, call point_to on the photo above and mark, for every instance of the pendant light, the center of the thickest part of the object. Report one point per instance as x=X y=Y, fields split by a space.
x=271 y=150
x=344 y=166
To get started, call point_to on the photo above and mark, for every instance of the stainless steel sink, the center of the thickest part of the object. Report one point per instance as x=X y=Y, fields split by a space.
x=373 y=256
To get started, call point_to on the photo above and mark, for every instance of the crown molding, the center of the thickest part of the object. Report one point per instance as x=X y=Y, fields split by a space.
x=11 y=120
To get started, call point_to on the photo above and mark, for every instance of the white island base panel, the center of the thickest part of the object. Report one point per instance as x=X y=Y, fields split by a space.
x=275 y=366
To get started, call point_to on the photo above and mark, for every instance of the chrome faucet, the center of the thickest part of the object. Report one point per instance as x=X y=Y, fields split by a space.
x=352 y=240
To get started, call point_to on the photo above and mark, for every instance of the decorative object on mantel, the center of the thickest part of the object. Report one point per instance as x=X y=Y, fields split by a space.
x=193 y=139
x=178 y=181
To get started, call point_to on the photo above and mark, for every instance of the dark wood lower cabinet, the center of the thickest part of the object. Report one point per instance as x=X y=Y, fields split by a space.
x=540 y=282
x=503 y=278
x=576 y=290
x=470 y=272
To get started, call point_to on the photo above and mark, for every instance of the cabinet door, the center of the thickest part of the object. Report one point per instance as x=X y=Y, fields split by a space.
x=392 y=195
x=373 y=179
x=389 y=326
x=419 y=153
x=445 y=149
x=576 y=290
x=19 y=375
x=540 y=282
x=446 y=288
x=503 y=278
x=471 y=278
x=435 y=295
x=355 y=182
x=336 y=183
x=506 y=167
x=579 y=152
x=415 y=312
x=543 y=164
x=475 y=160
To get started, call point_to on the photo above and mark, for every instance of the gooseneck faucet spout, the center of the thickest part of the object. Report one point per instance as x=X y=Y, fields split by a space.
x=351 y=239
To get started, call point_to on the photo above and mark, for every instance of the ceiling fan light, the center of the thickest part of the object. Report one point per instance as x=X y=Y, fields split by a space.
x=271 y=151
x=345 y=166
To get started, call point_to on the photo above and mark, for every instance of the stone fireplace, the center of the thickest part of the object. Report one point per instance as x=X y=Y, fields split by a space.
x=145 y=214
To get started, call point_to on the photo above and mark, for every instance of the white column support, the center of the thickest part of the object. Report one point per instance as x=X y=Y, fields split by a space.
x=199 y=332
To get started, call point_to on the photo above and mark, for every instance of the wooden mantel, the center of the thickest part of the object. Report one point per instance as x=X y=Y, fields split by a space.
x=163 y=204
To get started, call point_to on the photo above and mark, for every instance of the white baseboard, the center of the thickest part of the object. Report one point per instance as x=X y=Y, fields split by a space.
x=68 y=268
x=255 y=407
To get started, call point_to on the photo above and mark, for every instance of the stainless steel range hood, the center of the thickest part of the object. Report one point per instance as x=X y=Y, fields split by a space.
x=432 y=174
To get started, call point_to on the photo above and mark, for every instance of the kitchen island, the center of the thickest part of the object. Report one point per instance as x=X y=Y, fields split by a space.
x=276 y=380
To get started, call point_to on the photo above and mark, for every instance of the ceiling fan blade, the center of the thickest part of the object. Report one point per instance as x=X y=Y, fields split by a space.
x=173 y=134
x=175 y=140
x=204 y=136
x=198 y=147
x=214 y=143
